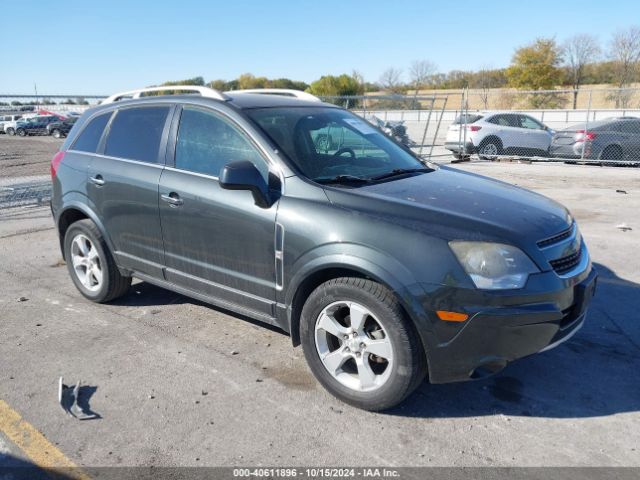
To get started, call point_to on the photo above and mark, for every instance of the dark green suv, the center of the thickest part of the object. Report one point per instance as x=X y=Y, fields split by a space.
x=383 y=267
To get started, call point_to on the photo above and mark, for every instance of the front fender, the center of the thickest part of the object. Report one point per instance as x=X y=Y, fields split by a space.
x=368 y=262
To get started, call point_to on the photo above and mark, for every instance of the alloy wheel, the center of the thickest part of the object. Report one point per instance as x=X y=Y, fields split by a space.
x=490 y=149
x=353 y=346
x=86 y=263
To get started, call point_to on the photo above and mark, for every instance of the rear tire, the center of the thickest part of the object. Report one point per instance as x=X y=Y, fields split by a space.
x=490 y=148
x=612 y=152
x=91 y=265
x=459 y=157
x=343 y=322
x=10 y=131
x=56 y=133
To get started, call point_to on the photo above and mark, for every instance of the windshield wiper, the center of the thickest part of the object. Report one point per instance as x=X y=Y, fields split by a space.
x=342 y=179
x=401 y=171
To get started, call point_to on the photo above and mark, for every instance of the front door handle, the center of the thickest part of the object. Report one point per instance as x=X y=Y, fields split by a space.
x=97 y=180
x=172 y=199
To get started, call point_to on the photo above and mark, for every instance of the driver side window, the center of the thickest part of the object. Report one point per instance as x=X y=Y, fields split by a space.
x=207 y=142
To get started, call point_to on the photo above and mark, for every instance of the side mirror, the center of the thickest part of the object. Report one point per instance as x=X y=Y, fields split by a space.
x=244 y=175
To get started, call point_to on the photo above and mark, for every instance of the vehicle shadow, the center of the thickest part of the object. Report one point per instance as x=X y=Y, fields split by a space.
x=143 y=294
x=593 y=374
x=14 y=468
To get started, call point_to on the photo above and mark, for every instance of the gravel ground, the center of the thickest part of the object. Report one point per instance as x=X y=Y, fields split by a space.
x=26 y=156
x=180 y=383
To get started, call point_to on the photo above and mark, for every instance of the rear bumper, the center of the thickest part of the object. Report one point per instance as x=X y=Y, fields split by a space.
x=572 y=151
x=495 y=336
x=456 y=147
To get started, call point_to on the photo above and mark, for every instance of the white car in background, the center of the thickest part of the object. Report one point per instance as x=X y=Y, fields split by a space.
x=498 y=133
x=4 y=119
x=10 y=126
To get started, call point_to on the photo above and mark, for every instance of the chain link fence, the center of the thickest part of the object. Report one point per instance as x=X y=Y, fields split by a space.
x=511 y=124
x=480 y=124
x=21 y=192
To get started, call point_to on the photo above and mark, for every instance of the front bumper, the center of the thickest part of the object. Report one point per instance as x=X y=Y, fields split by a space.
x=496 y=335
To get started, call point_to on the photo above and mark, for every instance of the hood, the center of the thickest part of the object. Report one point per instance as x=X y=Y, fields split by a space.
x=451 y=204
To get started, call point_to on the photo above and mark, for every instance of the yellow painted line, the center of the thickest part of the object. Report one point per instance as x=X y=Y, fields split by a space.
x=39 y=450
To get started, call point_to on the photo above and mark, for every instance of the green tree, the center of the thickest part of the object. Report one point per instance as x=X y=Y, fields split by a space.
x=336 y=86
x=248 y=81
x=287 y=83
x=330 y=85
x=218 y=85
x=189 y=81
x=536 y=67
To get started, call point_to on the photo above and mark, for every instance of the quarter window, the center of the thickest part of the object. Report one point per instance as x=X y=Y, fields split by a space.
x=135 y=133
x=207 y=142
x=89 y=138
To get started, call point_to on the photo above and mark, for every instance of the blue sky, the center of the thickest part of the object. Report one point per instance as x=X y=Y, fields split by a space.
x=98 y=47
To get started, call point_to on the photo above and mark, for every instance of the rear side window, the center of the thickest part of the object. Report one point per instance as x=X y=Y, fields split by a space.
x=505 y=120
x=628 y=126
x=467 y=118
x=89 y=138
x=135 y=133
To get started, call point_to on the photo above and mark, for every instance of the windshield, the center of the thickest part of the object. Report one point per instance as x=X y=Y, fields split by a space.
x=326 y=143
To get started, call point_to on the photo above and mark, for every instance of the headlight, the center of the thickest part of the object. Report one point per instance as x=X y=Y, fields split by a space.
x=494 y=266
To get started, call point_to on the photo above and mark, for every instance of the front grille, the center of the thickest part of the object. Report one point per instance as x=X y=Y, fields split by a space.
x=556 y=238
x=566 y=264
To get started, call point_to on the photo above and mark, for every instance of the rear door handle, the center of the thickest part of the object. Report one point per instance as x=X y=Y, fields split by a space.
x=172 y=199
x=97 y=180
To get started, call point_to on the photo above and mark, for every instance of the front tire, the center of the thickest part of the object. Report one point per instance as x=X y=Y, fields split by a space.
x=56 y=133
x=10 y=131
x=91 y=265
x=360 y=345
x=21 y=132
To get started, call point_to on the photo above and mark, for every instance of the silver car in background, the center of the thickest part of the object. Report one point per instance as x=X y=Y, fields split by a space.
x=498 y=133
x=615 y=138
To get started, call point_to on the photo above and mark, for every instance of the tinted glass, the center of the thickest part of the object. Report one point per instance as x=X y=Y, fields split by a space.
x=629 y=126
x=505 y=120
x=467 y=118
x=329 y=142
x=89 y=138
x=135 y=133
x=207 y=142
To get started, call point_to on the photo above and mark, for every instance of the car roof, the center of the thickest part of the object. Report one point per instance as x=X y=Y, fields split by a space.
x=260 y=100
x=242 y=101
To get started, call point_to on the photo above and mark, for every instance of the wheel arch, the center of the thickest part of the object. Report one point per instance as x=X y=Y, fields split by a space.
x=611 y=145
x=322 y=269
x=74 y=211
x=489 y=138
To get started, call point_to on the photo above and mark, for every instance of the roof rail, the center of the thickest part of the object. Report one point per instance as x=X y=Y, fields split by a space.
x=204 y=91
x=286 y=92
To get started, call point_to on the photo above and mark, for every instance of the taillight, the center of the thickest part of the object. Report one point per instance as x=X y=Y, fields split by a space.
x=585 y=135
x=55 y=163
x=473 y=128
